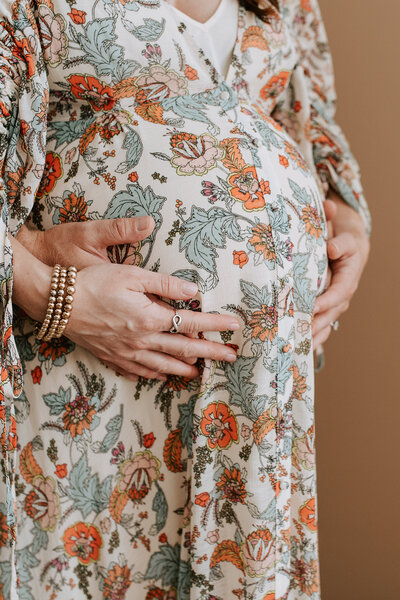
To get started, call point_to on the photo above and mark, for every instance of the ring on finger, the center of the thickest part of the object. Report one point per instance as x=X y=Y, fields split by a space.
x=334 y=325
x=176 y=321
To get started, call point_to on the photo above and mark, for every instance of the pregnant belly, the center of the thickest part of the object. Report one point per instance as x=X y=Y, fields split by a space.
x=233 y=202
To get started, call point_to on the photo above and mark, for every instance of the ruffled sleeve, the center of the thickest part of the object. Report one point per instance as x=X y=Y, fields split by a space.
x=23 y=110
x=308 y=108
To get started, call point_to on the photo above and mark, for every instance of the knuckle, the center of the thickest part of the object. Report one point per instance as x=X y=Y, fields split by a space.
x=120 y=227
x=147 y=323
x=165 y=284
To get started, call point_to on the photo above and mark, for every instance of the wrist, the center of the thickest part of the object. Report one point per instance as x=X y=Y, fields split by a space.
x=32 y=279
x=34 y=241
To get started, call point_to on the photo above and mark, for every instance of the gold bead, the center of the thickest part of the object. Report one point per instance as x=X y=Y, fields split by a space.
x=53 y=294
x=68 y=307
x=69 y=299
x=70 y=289
x=72 y=269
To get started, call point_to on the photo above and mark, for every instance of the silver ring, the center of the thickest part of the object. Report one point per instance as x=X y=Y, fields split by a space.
x=176 y=321
x=334 y=325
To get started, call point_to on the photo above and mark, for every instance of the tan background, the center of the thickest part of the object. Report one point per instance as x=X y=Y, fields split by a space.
x=358 y=398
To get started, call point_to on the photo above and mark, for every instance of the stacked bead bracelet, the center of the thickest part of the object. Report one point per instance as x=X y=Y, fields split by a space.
x=62 y=289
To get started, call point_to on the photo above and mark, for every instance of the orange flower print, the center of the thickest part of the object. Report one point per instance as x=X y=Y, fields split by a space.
x=36 y=374
x=283 y=161
x=133 y=177
x=148 y=440
x=14 y=184
x=232 y=486
x=78 y=415
x=202 y=499
x=306 y=575
x=55 y=349
x=299 y=384
x=116 y=582
x=74 y=209
x=263 y=241
x=191 y=73
x=52 y=171
x=61 y=471
x=240 y=258
x=86 y=87
x=177 y=382
x=311 y=218
x=264 y=323
x=275 y=85
x=307 y=514
x=258 y=552
x=83 y=540
x=297 y=106
x=295 y=155
x=4 y=529
x=248 y=189
x=77 y=16
x=219 y=425
x=23 y=52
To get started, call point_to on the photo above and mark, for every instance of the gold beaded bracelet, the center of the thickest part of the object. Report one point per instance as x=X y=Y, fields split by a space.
x=59 y=307
x=52 y=300
x=69 y=298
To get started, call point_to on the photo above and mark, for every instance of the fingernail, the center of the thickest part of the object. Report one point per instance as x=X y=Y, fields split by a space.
x=333 y=247
x=142 y=223
x=234 y=326
x=230 y=356
x=190 y=289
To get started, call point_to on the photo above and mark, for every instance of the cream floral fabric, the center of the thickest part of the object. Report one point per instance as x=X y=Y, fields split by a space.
x=199 y=489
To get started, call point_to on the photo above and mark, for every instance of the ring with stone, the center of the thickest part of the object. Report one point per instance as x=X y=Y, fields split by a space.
x=334 y=325
x=176 y=321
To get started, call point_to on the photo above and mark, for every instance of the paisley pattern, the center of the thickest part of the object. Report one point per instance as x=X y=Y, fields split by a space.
x=185 y=489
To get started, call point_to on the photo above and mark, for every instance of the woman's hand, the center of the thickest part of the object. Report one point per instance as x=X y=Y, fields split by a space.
x=348 y=250
x=118 y=319
x=85 y=243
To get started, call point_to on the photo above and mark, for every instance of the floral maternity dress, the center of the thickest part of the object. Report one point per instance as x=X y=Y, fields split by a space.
x=185 y=489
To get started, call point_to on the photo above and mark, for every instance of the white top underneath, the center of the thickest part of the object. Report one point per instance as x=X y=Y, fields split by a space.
x=217 y=36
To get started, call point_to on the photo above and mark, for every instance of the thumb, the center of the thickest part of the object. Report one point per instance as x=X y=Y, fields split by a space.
x=111 y=232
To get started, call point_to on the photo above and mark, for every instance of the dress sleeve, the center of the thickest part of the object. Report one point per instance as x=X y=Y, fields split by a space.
x=23 y=110
x=311 y=104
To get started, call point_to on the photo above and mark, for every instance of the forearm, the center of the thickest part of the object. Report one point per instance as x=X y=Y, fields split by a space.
x=31 y=281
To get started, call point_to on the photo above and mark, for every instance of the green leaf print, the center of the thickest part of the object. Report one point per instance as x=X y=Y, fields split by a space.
x=57 y=402
x=253 y=296
x=206 y=231
x=300 y=194
x=240 y=389
x=149 y=32
x=98 y=45
x=113 y=428
x=85 y=489
x=186 y=423
x=160 y=507
x=164 y=565
x=303 y=296
x=40 y=538
x=66 y=132
x=135 y=202
x=134 y=148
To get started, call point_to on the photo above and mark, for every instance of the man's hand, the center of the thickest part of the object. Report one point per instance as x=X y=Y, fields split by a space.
x=348 y=250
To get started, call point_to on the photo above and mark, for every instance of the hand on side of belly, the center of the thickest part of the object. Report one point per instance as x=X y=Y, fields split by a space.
x=117 y=314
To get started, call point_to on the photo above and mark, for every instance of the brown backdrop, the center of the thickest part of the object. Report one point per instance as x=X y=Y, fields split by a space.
x=358 y=399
